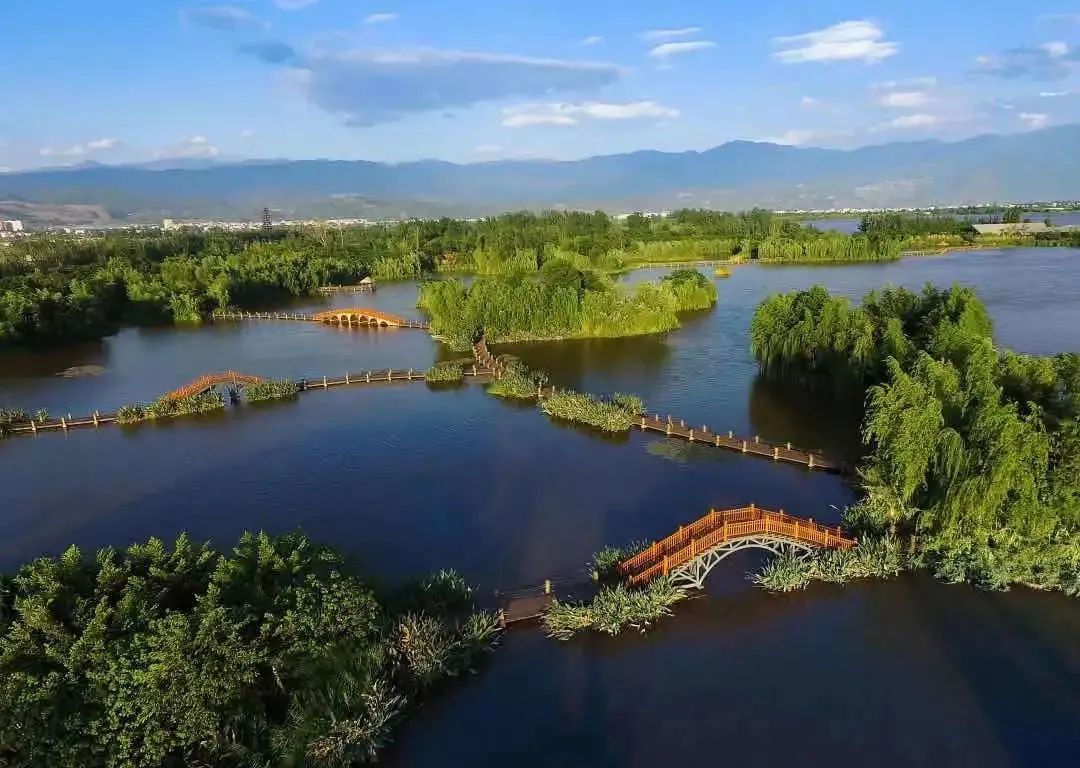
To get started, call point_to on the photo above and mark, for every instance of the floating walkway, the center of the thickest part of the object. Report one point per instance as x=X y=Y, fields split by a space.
x=345 y=317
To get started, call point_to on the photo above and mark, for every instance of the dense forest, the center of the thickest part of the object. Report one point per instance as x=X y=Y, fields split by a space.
x=974 y=451
x=58 y=288
x=273 y=654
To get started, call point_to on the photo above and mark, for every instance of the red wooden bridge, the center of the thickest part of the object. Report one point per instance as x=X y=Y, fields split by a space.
x=689 y=554
x=208 y=381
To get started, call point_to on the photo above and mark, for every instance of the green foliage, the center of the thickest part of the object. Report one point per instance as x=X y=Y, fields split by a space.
x=166 y=408
x=271 y=389
x=692 y=290
x=973 y=450
x=445 y=373
x=273 y=654
x=896 y=225
x=518 y=381
x=613 y=610
x=879 y=557
x=605 y=562
x=615 y=415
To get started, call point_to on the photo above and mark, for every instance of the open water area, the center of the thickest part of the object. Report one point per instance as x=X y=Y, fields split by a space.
x=407 y=479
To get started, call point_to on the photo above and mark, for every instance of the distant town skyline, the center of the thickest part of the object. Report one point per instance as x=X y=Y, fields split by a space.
x=120 y=81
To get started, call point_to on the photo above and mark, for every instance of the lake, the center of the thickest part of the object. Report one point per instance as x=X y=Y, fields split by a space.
x=910 y=672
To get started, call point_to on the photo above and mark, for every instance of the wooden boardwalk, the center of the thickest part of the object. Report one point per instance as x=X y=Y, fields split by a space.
x=753 y=446
x=719 y=528
x=306 y=384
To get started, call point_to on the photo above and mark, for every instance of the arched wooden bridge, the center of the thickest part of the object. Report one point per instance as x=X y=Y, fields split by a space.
x=208 y=381
x=343 y=316
x=689 y=554
x=364 y=316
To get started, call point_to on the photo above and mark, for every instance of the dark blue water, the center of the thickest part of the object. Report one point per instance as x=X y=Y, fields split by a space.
x=905 y=673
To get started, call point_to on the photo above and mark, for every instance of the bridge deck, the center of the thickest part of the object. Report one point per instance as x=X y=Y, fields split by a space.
x=718 y=527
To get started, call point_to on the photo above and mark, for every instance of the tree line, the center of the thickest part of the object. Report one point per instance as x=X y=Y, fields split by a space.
x=59 y=288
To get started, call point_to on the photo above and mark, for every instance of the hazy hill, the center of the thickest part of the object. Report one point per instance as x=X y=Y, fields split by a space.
x=1027 y=166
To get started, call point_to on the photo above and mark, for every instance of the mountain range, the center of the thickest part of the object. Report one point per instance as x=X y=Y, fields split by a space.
x=1037 y=165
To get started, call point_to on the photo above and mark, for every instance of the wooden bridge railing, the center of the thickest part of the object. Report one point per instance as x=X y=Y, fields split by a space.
x=718 y=527
x=485 y=359
x=211 y=380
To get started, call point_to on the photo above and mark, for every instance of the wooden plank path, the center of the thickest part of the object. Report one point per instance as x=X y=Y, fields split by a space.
x=312 y=384
x=357 y=288
x=754 y=446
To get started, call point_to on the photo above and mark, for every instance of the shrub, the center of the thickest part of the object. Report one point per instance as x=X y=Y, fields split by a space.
x=518 y=381
x=615 y=415
x=614 y=609
x=692 y=290
x=271 y=389
x=445 y=373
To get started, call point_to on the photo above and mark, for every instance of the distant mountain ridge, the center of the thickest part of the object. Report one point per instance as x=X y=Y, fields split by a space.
x=737 y=175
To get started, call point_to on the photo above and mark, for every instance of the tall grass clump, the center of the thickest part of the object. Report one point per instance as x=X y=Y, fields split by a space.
x=271 y=389
x=879 y=557
x=10 y=416
x=613 y=610
x=693 y=290
x=518 y=381
x=166 y=408
x=605 y=563
x=615 y=415
x=445 y=373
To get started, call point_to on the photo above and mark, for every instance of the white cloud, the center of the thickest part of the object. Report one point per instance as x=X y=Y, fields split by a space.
x=371 y=87
x=561 y=113
x=247 y=134
x=1052 y=94
x=380 y=18
x=226 y=18
x=1034 y=120
x=920 y=120
x=664 y=35
x=195 y=147
x=666 y=50
x=858 y=40
x=903 y=99
x=78 y=150
x=1056 y=49
x=910 y=84
x=809 y=102
x=294 y=5
x=592 y=40
x=795 y=137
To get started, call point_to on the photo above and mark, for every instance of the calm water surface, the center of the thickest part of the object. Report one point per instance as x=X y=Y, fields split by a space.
x=905 y=673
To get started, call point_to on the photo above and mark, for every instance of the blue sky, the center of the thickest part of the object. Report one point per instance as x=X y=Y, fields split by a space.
x=117 y=81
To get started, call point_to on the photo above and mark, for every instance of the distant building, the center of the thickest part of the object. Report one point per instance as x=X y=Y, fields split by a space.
x=11 y=225
x=1025 y=228
x=267 y=222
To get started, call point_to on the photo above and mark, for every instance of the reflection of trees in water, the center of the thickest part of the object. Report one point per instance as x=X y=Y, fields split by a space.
x=791 y=412
x=573 y=363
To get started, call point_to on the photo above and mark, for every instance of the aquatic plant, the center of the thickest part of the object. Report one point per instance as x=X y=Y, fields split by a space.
x=445 y=373
x=271 y=389
x=131 y=414
x=615 y=415
x=784 y=573
x=517 y=381
x=722 y=272
x=605 y=562
x=613 y=610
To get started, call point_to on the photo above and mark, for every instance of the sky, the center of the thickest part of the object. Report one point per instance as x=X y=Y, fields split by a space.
x=134 y=81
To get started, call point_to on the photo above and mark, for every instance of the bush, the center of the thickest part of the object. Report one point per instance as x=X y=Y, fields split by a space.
x=517 y=382
x=693 y=291
x=445 y=373
x=606 y=562
x=169 y=408
x=615 y=415
x=614 y=609
x=873 y=558
x=271 y=389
